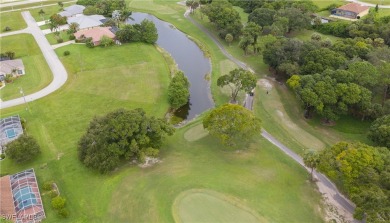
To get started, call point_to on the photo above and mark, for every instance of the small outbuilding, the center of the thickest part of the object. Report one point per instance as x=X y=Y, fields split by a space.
x=351 y=11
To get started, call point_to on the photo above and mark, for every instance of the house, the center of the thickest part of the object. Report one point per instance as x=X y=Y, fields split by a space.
x=95 y=33
x=73 y=10
x=20 y=198
x=87 y=22
x=10 y=129
x=351 y=11
x=14 y=67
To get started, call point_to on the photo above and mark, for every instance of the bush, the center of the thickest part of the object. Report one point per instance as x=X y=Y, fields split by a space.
x=60 y=40
x=66 y=53
x=9 y=78
x=47 y=186
x=89 y=43
x=72 y=37
x=2 y=156
x=63 y=212
x=7 y=28
x=58 y=202
x=53 y=193
x=23 y=149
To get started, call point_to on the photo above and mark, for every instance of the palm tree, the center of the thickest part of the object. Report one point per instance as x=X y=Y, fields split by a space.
x=311 y=159
x=41 y=13
x=61 y=5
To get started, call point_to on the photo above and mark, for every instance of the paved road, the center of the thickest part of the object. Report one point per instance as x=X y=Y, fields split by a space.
x=325 y=185
x=371 y=5
x=19 y=3
x=57 y=68
x=32 y=7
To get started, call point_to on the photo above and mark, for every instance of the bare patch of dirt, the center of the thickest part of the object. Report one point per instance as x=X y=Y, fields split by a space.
x=149 y=161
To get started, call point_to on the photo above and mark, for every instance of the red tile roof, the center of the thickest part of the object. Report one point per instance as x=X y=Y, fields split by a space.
x=95 y=33
x=354 y=7
x=7 y=208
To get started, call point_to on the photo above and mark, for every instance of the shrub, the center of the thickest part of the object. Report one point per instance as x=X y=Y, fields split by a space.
x=47 y=186
x=66 y=53
x=89 y=43
x=7 y=28
x=60 y=40
x=58 y=202
x=63 y=212
x=72 y=37
x=2 y=156
x=9 y=78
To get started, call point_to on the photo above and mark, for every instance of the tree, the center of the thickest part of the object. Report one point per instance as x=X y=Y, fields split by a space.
x=251 y=32
x=23 y=149
x=364 y=73
x=229 y=38
x=238 y=80
x=231 y=124
x=262 y=16
x=55 y=21
x=121 y=135
x=192 y=4
x=116 y=15
x=178 y=90
x=311 y=160
x=379 y=131
x=61 y=5
x=297 y=19
x=41 y=13
x=106 y=41
x=148 y=32
x=73 y=27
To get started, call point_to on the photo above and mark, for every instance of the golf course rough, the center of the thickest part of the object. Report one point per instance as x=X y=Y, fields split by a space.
x=200 y=205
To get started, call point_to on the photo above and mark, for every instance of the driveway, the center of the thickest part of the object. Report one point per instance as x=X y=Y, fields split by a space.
x=57 y=68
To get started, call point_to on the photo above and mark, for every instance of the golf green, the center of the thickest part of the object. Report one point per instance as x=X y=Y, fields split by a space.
x=210 y=206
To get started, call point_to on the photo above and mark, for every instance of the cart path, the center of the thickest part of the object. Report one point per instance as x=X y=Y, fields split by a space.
x=326 y=187
x=57 y=68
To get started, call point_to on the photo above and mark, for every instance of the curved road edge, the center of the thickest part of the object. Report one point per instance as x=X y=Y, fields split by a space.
x=57 y=68
x=344 y=205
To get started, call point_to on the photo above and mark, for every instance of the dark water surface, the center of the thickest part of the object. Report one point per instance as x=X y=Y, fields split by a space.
x=190 y=60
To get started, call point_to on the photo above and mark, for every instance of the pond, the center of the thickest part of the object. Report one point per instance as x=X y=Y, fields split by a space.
x=189 y=58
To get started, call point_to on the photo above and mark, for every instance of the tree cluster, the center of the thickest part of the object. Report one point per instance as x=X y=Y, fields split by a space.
x=55 y=21
x=119 y=136
x=371 y=26
x=103 y=7
x=146 y=32
x=379 y=131
x=363 y=173
x=178 y=90
x=225 y=18
x=232 y=124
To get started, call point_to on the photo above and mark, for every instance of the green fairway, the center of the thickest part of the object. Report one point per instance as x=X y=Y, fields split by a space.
x=14 y=20
x=209 y=206
x=38 y=75
x=195 y=133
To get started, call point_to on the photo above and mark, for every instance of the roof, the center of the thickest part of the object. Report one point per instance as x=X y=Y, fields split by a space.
x=87 y=21
x=72 y=10
x=10 y=129
x=6 y=202
x=354 y=7
x=95 y=33
x=7 y=66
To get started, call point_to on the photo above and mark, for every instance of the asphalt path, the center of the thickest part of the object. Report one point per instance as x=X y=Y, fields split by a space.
x=334 y=193
x=57 y=68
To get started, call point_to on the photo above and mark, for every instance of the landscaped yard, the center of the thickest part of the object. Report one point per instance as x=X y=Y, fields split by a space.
x=38 y=75
x=14 y=20
x=52 y=38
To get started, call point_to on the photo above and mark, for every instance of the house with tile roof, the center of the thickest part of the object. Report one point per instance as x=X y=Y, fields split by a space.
x=73 y=10
x=351 y=11
x=13 y=67
x=96 y=33
x=87 y=21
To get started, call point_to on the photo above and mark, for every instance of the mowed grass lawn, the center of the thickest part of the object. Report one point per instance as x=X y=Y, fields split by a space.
x=100 y=80
x=38 y=75
x=52 y=38
x=136 y=75
x=14 y=20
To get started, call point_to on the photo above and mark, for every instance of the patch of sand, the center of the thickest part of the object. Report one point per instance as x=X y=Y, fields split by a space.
x=264 y=83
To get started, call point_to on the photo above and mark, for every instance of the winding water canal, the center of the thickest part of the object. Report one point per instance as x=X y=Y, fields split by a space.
x=189 y=58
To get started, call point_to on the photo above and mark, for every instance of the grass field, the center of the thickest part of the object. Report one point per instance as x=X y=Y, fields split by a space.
x=14 y=20
x=38 y=75
x=209 y=206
